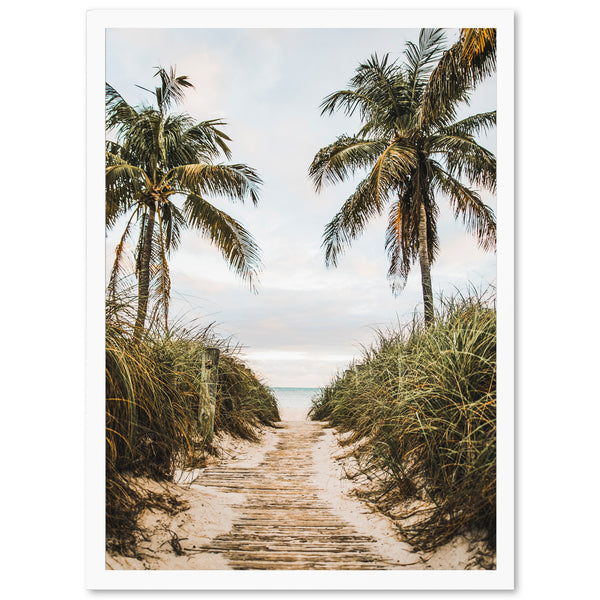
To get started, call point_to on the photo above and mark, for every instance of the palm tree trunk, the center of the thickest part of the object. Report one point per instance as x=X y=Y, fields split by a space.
x=144 y=275
x=425 y=265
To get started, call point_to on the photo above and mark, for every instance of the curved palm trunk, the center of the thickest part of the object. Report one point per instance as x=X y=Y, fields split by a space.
x=425 y=265
x=144 y=275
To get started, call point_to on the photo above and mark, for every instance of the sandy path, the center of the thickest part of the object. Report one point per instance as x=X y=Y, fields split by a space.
x=289 y=517
x=280 y=504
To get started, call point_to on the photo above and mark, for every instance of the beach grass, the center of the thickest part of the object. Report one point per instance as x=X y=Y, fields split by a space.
x=420 y=411
x=153 y=394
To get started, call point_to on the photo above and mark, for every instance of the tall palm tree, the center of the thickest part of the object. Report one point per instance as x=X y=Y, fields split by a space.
x=412 y=154
x=158 y=159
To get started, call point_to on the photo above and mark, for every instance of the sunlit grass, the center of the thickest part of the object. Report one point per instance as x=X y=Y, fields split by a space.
x=153 y=396
x=421 y=405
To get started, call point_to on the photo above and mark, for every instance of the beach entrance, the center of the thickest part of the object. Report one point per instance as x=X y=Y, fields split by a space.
x=284 y=518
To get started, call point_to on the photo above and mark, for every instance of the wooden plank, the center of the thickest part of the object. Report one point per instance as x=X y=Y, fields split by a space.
x=284 y=522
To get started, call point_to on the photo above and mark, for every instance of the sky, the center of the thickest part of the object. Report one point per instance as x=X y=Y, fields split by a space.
x=307 y=321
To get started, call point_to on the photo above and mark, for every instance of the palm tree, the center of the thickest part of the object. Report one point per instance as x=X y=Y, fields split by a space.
x=157 y=158
x=412 y=154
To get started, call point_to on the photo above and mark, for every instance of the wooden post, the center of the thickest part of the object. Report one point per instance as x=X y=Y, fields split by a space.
x=209 y=379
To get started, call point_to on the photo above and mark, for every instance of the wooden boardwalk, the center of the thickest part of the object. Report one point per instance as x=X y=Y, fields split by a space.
x=282 y=521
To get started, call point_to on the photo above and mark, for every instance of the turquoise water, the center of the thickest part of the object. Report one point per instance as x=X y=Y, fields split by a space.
x=294 y=397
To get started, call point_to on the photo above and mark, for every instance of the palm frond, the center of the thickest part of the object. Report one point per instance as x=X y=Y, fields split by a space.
x=349 y=101
x=171 y=90
x=478 y=51
x=209 y=137
x=173 y=223
x=129 y=177
x=159 y=273
x=399 y=241
x=234 y=242
x=349 y=222
x=187 y=141
x=118 y=266
x=461 y=67
x=421 y=58
x=464 y=157
x=391 y=171
x=478 y=218
x=383 y=84
x=142 y=140
x=346 y=155
x=118 y=111
x=113 y=149
x=472 y=125
x=235 y=182
x=124 y=183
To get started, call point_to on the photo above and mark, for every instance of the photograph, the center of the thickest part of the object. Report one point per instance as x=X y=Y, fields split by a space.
x=303 y=348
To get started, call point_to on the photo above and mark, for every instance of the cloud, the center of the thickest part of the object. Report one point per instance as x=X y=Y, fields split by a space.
x=307 y=321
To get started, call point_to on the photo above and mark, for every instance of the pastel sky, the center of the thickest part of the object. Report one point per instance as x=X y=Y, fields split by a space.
x=307 y=321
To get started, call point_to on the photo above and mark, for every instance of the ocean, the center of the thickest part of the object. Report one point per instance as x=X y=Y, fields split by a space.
x=294 y=397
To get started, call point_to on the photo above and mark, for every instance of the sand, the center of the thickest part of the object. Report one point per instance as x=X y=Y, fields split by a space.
x=212 y=512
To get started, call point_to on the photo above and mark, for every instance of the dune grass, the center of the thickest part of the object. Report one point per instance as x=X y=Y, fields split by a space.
x=153 y=395
x=421 y=409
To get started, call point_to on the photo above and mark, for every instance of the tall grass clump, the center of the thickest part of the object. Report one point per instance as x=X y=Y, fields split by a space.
x=153 y=397
x=244 y=403
x=420 y=408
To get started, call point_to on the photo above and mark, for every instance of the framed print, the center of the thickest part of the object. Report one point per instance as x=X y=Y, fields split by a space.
x=300 y=300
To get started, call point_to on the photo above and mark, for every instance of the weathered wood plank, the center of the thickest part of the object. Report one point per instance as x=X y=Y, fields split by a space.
x=284 y=523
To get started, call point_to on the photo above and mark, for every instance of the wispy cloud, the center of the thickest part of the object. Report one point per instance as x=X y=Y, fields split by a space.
x=307 y=321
